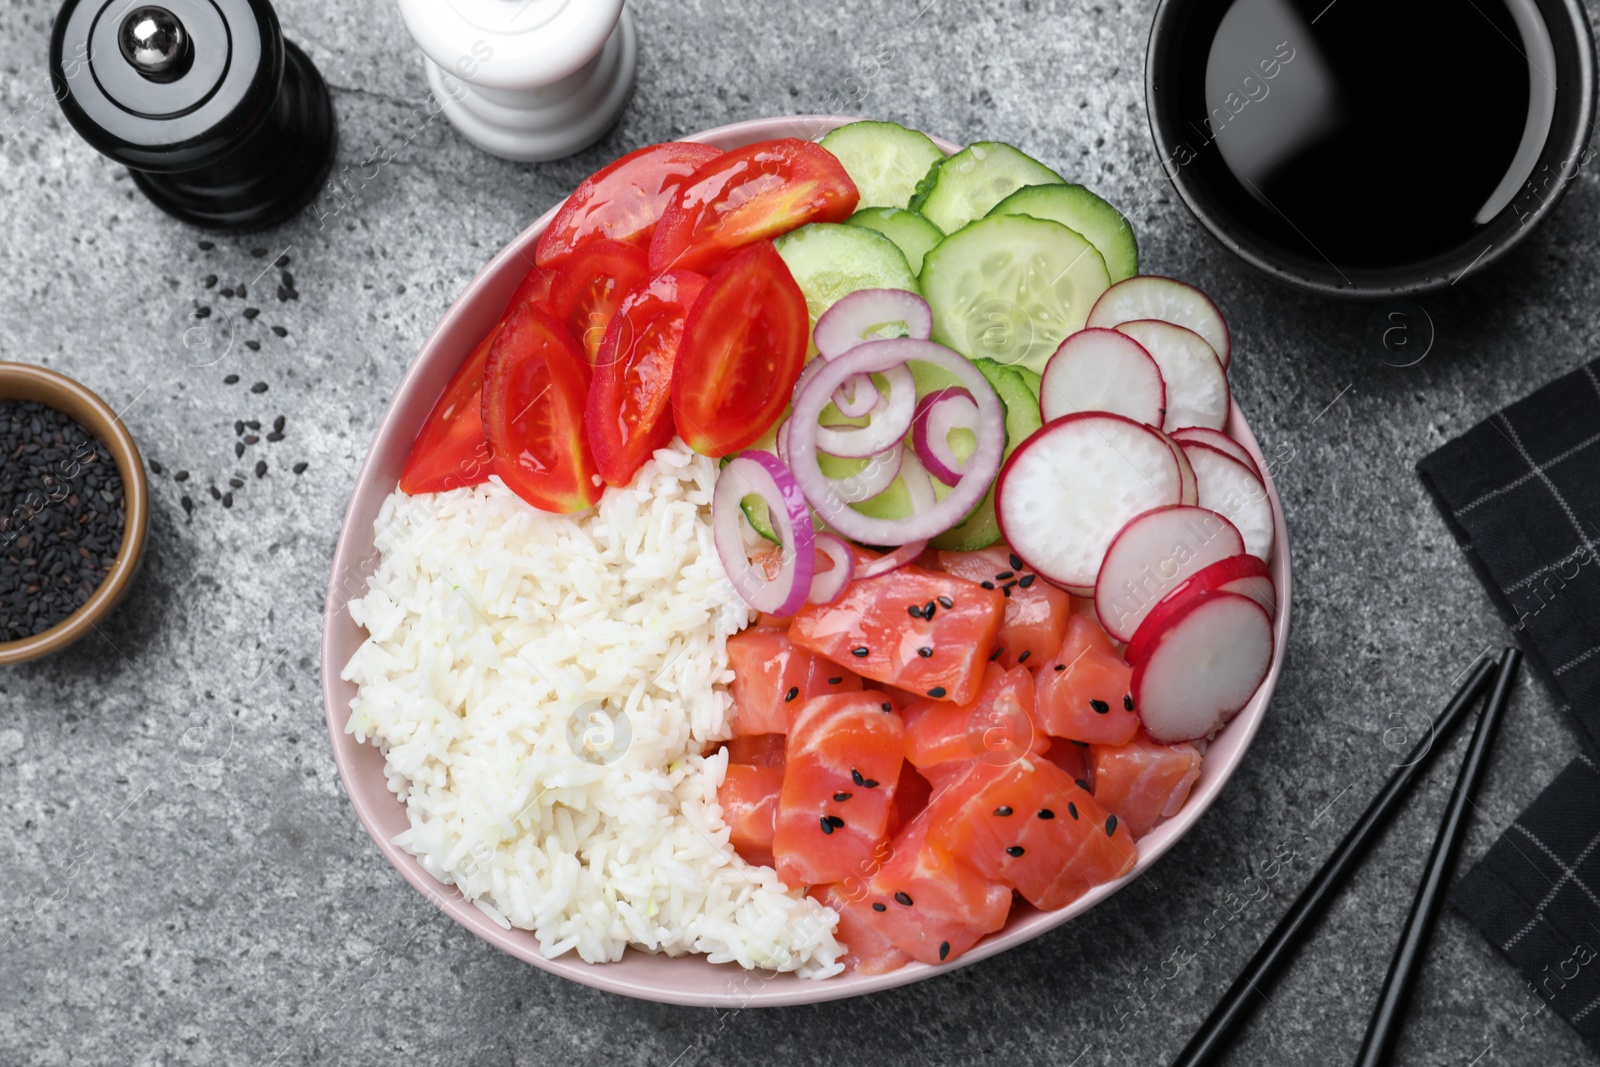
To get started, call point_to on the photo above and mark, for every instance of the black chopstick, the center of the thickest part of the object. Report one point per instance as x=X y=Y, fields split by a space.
x=1211 y=1041
x=1378 y=1046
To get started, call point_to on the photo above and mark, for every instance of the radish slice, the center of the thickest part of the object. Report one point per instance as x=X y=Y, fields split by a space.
x=761 y=474
x=828 y=585
x=856 y=397
x=1243 y=574
x=1150 y=296
x=1067 y=490
x=1201 y=667
x=886 y=425
x=940 y=413
x=1154 y=554
x=1191 y=488
x=1221 y=442
x=872 y=315
x=1103 y=370
x=1197 y=388
x=1229 y=488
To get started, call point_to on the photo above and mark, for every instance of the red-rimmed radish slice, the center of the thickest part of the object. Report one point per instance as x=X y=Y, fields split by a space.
x=1154 y=554
x=1201 y=666
x=1197 y=388
x=1220 y=441
x=1244 y=574
x=1068 y=489
x=1191 y=488
x=1229 y=488
x=871 y=315
x=1103 y=370
x=1150 y=296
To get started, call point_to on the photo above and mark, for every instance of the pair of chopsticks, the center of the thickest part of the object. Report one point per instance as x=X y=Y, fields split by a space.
x=1211 y=1041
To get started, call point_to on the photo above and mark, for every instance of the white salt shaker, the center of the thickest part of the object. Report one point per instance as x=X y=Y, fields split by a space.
x=527 y=79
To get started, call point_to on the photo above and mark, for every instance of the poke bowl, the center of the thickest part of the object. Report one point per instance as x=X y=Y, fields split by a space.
x=374 y=778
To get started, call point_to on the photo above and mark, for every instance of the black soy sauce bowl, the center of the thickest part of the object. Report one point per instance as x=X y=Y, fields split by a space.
x=1198 y=172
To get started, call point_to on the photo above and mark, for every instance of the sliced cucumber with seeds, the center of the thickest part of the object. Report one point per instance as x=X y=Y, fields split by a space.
x=830 y=260
x=1011 y=288
x=1035 y=381
x=1011 y=384
x=1078 y=209
x=971 y=182
x=914 y=235
x=884 y=159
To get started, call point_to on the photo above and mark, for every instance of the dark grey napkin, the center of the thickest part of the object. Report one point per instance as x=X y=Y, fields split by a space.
x=1521 y=493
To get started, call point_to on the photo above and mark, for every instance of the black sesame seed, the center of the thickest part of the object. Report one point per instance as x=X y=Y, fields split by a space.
x=925 y=652
x=987 y=585
x=1083 y=785
x=279 y=423
x=188 y=505
x=216 y=494
x=1003 y=575
x=1046 y=813
x=928 y=609
x=280 y=331
x=996 y=654
x=944 y=950
x=836 y=681
x=887 y=707
x=1072 y=809
x=855 y=776
x=155 y=468
x=869 y=783
x=915 y=611
x=946 y=603
x=1006 y=589
x=210 y=280
x=237 y=483
x=202 y=312
x=258 y=252
x=1025 y=654
x=842 y=797
x=1026 y=580
x=254 y=346
x=238 y=449
x=1061 y=666
x=834 y=821
x=861 y=653
x=1100 y=706
x=282 y=261
x=251 y=313
x=252 y=439
x=827 y=827
x=181 y=476
x=936 y=692
x=1081 y=744
x=1002 y=811
x=878 y=905
x=1127 y=703
x=300 y=468
x=227 y=500
x=206 y=246
x=1111 y=825
x=794 y=691
x=259 y=387
x=231 y=379
x=902 y=898
x=1015 y=850
x=275 y=436
x=1016 y=561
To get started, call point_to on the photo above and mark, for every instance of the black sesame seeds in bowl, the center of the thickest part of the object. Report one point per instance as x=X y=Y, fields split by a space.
x=73 y=511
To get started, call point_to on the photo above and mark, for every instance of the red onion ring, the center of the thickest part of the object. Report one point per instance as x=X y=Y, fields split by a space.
x=856 y=397
x=761 y=474
x=893 y=561
x=878 y=357
x=856 y=318
x=827 y=586
x=887 y=424
x=938 y=413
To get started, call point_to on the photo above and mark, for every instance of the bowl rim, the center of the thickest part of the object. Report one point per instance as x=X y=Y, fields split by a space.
x=26 y=381
x=639 y=974
x=1568 y=146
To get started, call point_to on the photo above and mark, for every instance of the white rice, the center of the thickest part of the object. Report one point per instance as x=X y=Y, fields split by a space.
x=541 y=687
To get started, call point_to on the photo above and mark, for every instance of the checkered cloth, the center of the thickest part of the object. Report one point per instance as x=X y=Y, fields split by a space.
x=1521 y=493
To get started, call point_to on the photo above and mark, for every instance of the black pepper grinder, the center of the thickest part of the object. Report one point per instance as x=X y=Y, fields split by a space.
x=223 y=123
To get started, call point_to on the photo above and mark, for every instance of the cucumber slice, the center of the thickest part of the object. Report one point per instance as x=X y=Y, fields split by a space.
x=830 y=260
x=975 y=179
x=884 y=159
x=1034 y=379
x=1078 y=209
x=982 y=528
x=914 y=235
x=1012 y=288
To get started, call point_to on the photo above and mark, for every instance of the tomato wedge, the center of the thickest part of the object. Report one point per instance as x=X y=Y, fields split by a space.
x=535 y=287
x=533 y=397
x=585 y=292
x=759 y=191
x=623 y=201
x=741 y=353
x=628 y=416
x=451 y=452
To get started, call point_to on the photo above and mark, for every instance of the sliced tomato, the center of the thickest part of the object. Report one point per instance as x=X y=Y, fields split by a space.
x=752 y=193
x=911 y=628
x=1143 y=781
x=773 y=680
x=586 y=291
x=866 y=951
x=629 y=412
x=534 y=389
x=1029 y=826
x=1083 y=689
x=742 y=350
x=749 y=799
x=998 y=725
x=623 y=201
x=1036 y=611
x=451 y=450
x=534 y=288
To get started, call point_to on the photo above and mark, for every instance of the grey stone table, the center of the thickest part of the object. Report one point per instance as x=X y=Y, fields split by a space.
x=181 y=878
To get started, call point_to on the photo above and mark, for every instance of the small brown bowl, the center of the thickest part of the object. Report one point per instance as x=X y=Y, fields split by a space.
x=20 y=381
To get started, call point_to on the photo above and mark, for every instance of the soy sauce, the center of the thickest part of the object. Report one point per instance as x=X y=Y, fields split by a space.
x=1367 y=133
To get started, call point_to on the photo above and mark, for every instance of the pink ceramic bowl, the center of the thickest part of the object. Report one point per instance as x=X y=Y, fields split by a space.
x=689 y=979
